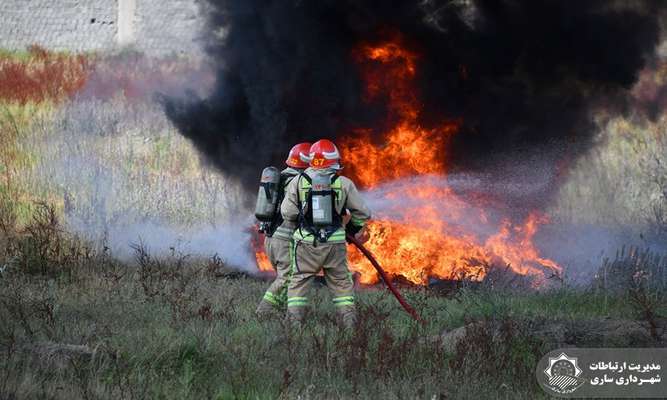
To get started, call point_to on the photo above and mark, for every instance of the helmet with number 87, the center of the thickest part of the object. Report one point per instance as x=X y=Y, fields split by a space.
x=324 y=154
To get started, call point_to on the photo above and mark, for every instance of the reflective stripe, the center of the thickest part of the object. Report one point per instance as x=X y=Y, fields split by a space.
x=357 y=221
x=268 y=296
x=297 y=302
x=303 y=235
x=336 y=186
x=343 y=301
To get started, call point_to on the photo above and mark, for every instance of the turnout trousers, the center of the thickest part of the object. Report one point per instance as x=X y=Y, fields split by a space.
x=308 y=261
x=279 y=252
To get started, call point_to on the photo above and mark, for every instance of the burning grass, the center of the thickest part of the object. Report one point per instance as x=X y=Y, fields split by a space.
x=431 y=238
x=171 y=326
x=148 y=335
x=81 y=324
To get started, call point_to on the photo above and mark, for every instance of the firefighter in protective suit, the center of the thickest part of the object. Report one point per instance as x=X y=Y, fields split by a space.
x=317 y=195
x=278 y=233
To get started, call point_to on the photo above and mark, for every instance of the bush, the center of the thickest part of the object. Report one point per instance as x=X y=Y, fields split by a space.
x=41 y=76
x=41 y=247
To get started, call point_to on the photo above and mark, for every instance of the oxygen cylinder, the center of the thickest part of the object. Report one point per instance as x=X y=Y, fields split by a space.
x=267 y=197
x=322 y=200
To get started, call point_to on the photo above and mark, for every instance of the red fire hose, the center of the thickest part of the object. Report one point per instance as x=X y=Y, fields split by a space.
x=385 y=278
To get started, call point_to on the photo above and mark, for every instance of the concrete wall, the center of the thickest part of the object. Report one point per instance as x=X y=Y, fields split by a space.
x=168 y=25
x=156 y=27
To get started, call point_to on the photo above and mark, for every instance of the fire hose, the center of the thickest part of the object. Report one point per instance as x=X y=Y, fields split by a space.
x=407 y=307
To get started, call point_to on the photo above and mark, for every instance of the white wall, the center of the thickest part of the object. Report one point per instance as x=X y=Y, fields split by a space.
x=157 y=27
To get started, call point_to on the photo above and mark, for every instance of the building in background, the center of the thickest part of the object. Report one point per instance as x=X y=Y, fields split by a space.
x=155 y=27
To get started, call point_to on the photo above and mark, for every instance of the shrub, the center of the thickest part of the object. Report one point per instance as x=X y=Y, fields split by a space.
x=42 y=247
x=41 y=76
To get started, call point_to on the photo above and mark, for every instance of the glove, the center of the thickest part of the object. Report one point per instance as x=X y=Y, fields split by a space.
x=363 y=235
x=359 y=232
x=351 y=230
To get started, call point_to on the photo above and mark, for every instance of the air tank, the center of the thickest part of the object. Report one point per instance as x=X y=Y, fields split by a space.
x=322 y=200
x=267 y=197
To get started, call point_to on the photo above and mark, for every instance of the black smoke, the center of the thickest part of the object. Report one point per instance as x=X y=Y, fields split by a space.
x=521 y=74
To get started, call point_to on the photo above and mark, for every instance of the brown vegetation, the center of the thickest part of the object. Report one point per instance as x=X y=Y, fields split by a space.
x=41 y=76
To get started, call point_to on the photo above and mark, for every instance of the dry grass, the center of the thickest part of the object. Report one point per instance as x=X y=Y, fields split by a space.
x=180 y=327
x=109 y=155
x=622 y=181
x=41 y=76
x=77 y=323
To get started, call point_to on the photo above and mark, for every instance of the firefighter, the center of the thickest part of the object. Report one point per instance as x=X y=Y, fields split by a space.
x=317 y=202
x=278 y=236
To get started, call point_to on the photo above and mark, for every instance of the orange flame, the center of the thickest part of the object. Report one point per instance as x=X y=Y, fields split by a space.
x=415 y=242
x=419 y=244
x=262 y=259
x=408 y=149
x=263 y=263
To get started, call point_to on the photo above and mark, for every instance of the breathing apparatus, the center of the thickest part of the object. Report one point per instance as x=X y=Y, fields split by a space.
x=267 y=205
x=317 y=214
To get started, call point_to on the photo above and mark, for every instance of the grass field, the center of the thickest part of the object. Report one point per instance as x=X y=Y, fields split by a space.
x=77 y=323
x=85 y=135
x=85 y=148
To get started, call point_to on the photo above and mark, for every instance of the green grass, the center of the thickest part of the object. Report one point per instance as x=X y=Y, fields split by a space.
x=178 y=327
x=179 y=333
x=202 y=340
x=101 y=161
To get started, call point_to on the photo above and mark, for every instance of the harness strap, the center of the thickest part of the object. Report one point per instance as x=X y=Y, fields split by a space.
x=305 y=212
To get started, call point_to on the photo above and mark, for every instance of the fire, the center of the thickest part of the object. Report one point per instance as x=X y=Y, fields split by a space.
x=408 y=149
x=513 y=245
x=412 y=239
x=425 y=229
x=263 y=262
x=257 y=242
x=416 y=253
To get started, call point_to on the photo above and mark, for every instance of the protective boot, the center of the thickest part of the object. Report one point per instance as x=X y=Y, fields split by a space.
x=296 y=317
x=347 y=316
x=266 y=310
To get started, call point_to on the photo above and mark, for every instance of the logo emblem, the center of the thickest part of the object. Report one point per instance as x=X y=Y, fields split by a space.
x=563 y=374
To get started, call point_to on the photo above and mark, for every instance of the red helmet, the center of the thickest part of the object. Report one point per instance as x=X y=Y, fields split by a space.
x=298 y=156
x=324 y=154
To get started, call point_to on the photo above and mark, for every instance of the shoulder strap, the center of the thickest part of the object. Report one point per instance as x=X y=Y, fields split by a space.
x=307 y=178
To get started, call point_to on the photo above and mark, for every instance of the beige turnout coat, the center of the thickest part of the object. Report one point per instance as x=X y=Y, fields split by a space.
x=347 y=197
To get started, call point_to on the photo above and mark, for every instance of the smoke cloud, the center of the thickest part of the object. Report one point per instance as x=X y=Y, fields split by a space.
x=522 y=75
